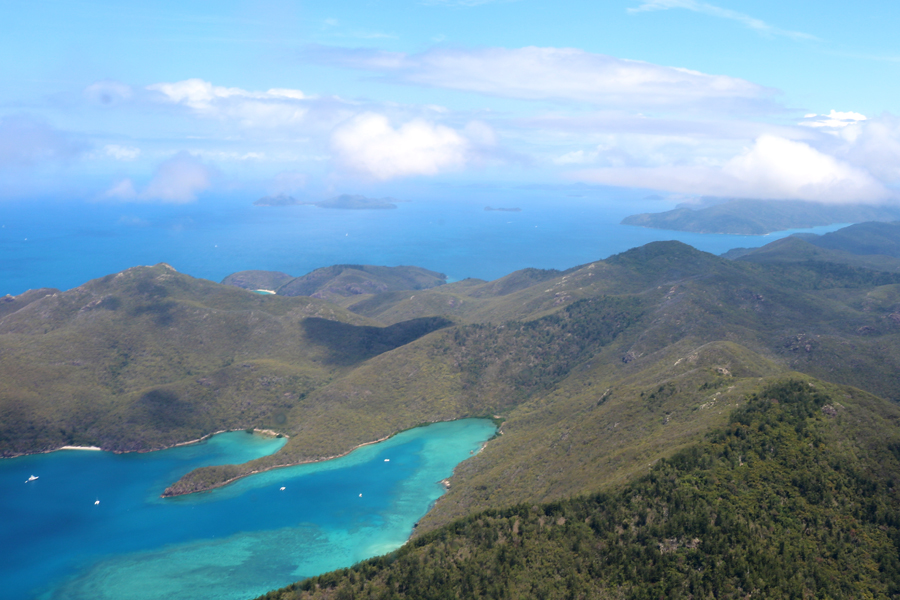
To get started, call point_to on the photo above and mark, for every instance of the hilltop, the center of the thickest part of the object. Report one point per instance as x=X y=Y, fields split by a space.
x=597 y=372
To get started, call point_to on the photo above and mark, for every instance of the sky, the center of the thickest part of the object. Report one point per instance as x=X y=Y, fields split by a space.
x=171 y=102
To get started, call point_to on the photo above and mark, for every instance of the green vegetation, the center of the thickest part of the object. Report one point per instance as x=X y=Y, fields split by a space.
x=596 y=373
x=793 y=499
x=341 y=281
x=258 y=280
x=596 y=370
x=759 y=217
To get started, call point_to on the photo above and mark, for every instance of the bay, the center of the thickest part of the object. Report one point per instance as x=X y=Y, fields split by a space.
x=60 y=244
x=92 y=526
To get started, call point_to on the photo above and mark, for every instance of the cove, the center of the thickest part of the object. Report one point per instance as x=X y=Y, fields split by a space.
x=238 y=541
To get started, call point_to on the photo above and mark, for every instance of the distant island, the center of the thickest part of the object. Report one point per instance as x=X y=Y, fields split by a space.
x=759 y=217
x=504 y=209
x=344 y=201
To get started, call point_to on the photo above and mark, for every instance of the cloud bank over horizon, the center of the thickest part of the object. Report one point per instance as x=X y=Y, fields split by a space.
x=178 y=180
x=677 y=96
x=772 y=169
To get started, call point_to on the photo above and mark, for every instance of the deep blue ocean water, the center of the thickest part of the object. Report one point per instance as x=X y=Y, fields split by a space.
x=54 y=243
x=235 y=542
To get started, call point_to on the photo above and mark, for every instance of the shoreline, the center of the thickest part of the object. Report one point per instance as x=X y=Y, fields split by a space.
x=266 y=432
x=272 y=468
x=493 y=418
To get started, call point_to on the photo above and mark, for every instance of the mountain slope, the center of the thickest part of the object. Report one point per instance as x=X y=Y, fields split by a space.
x=793 y=498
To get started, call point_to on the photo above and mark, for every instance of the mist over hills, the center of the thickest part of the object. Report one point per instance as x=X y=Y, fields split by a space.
x=597 y=373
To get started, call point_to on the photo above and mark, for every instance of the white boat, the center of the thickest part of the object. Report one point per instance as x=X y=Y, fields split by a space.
x=32 y=478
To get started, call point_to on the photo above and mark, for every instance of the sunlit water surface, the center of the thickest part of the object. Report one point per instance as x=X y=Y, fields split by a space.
x=92 y=526
x=62 y=245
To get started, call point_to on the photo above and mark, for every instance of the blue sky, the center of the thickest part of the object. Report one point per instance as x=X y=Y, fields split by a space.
x=174 y=101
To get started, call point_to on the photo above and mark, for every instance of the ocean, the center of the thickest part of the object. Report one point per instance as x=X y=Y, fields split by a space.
x=59 y=244
x=93 y=527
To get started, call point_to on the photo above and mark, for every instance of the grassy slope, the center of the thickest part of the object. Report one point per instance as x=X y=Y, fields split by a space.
x=151 y=357
x=582 y=415
x=793 y=496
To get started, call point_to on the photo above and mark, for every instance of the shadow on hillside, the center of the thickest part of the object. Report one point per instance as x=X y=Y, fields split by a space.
x=350 y=344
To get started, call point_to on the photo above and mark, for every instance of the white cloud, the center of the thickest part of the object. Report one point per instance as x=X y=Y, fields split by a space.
x=122 y=190
x=774 y=168
x=724 y=13
x=370 y=145
x=177 y=180
x=873 y=144
x=108 y=93
x=125 y=153
x=534 y=73
x=229 y=155
x=25 y=141
x=833 y=120
x=577 y=157
x=273 y=108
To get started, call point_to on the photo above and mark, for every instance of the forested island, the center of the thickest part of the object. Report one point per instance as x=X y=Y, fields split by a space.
x=759 y=217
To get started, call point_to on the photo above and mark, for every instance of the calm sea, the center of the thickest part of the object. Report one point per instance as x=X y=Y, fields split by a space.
x=92 y=526
x=63 y=244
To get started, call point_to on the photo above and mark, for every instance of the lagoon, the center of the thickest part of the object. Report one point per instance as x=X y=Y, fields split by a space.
x=239 y=541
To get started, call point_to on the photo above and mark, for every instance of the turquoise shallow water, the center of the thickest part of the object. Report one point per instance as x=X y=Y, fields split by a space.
x=235 y=542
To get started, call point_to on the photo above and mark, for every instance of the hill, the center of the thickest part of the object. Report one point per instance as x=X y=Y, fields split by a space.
x=596 y=372
x=863 y=239
x=759 y=217
x=872 y=246
x=795 y=497
x=339 y=281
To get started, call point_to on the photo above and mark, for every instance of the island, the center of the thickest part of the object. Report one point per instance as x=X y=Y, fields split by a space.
x=759 y=217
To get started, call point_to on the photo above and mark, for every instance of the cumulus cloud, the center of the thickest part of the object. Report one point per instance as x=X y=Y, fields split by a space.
x=873 y=144
x=272 y=108
x=177 y=180
x=369 y=144
x=723 y=13
x=773 y=168
x=25 y=141
x=122 y=190
x=124 y=153
x=833 y=120
x=534 y=73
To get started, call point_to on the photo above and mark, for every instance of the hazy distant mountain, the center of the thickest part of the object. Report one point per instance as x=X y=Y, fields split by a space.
x=759 y=217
